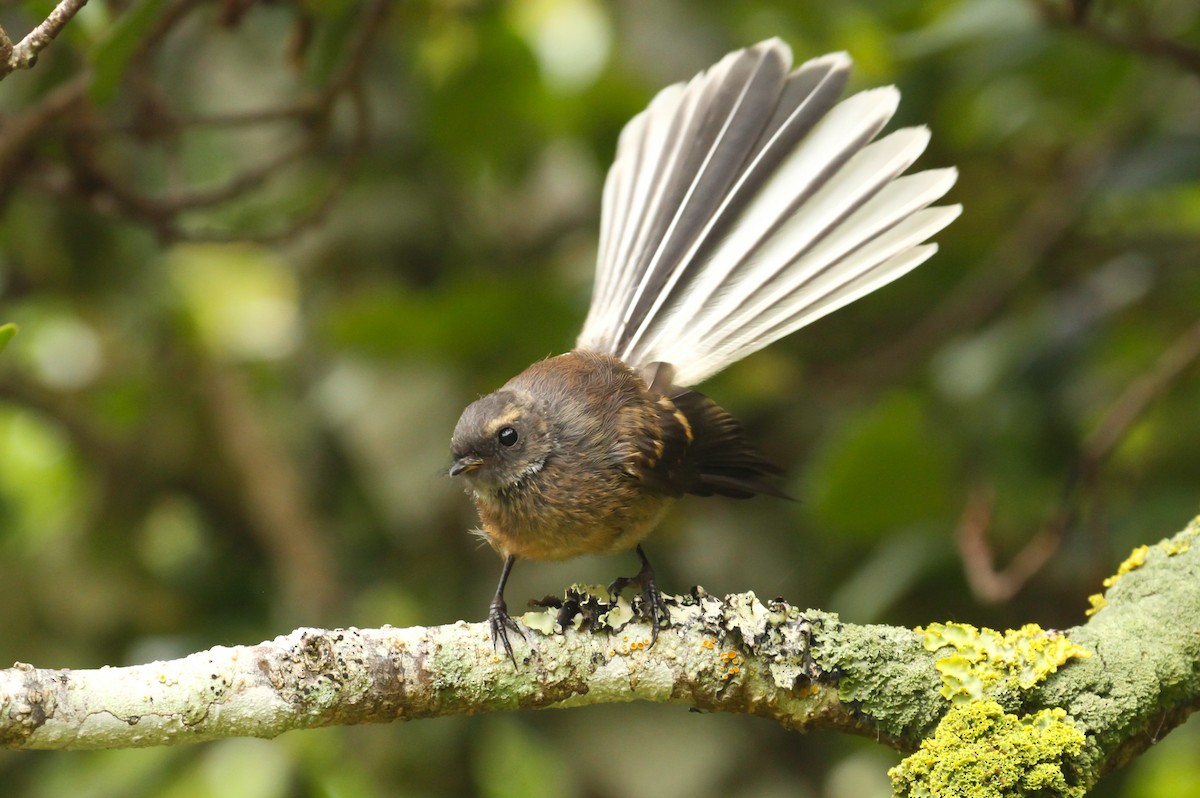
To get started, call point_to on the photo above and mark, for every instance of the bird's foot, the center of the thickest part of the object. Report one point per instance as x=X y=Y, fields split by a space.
x=652 y=599
x=499 y=623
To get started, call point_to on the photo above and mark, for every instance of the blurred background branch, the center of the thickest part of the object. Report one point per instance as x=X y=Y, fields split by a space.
x=991 y=584
x=1131 y=33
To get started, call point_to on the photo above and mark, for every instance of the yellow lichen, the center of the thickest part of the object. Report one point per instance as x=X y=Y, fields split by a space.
x=980 y=751
x=1135 y=560
x=984 y=660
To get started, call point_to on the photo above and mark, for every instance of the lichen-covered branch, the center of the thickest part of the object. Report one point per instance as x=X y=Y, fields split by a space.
x=1104 y=690
x=736 y=655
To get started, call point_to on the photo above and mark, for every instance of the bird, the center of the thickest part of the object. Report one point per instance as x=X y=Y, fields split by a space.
x=741 y=205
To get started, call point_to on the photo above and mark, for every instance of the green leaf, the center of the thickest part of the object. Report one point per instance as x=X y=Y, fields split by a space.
x=7 y=332
x=113 y=51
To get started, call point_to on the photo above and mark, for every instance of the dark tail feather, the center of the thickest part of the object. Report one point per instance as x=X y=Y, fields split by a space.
x=721 y=460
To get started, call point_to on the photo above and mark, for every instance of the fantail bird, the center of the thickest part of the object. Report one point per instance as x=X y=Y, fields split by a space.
x=742 y=205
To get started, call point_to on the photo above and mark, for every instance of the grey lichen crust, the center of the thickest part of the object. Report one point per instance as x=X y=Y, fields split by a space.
x=882 y=671
x=1144 y=676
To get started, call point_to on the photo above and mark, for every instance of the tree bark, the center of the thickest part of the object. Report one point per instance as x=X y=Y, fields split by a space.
x=1132 y=672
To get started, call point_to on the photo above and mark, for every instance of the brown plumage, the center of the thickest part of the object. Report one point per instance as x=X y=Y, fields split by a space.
x=595 y=458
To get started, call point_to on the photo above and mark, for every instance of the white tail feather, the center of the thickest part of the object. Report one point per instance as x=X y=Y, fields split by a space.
x=770 y=286
x=745 y=204
x=884 y=259
x=768 y=264
x=635 y=184
x=837 y=136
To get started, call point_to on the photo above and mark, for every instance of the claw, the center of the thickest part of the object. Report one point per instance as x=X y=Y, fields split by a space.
x=499 y=621
x=652 y=599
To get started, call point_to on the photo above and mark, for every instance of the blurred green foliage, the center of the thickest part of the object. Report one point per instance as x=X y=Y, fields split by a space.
x=209 y=442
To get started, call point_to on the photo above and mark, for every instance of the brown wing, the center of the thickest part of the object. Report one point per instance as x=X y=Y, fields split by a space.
x=704 y=449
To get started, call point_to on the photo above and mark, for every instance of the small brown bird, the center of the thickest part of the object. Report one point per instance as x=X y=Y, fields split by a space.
x=742 y=206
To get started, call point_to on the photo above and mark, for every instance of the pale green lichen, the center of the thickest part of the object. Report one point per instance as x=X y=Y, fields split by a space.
x=747 y=615
x=1137 y=558
x=543 y=621
x=984 y=662
x=882 y=671
x=980 y=751
x=618 y=615
x=1180 y=544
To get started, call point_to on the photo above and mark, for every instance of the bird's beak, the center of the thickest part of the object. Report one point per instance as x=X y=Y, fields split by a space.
x=466 y=464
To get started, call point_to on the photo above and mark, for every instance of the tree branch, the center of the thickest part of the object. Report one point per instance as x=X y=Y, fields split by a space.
x=274 y=494
x=1136 y=673
x=87 y=173
x=25 y=54
x=736 y=655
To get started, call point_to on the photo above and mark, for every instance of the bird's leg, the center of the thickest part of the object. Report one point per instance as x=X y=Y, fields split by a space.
x=651 y=597
x=498 y=619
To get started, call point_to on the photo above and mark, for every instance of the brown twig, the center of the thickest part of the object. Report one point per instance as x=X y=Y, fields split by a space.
x=239 y=185
x=979 y=563
x=992 y=584
x=24 y=54
x=166 y=24
x=1182 y=352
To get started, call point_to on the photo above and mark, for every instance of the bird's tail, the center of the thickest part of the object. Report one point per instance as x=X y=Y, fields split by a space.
x=748 y=203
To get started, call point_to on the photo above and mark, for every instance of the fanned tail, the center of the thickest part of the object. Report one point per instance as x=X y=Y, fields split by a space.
x=748 y=203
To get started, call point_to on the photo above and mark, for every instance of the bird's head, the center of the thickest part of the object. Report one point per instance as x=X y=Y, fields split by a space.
x=500 y=440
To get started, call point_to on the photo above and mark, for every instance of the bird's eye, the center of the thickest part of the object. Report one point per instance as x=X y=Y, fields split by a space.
x=507 y=436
